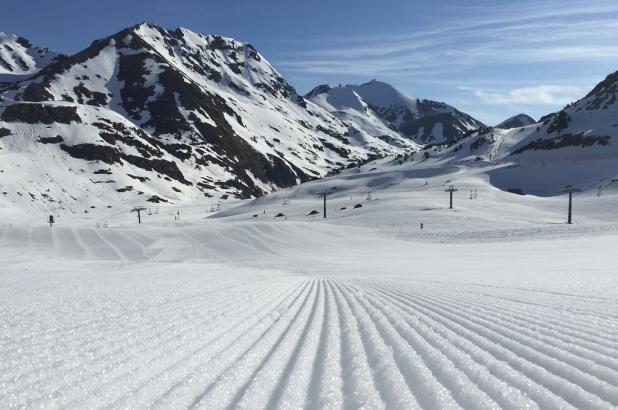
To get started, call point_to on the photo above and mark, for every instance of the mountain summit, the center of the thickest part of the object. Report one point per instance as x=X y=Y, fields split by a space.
x=519 y=120
x=422 y=121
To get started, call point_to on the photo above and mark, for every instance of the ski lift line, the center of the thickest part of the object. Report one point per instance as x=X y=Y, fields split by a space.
x=599 y=184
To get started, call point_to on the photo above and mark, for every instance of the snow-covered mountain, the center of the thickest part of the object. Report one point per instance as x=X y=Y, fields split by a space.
x=364 y=123
x=577 y=145
x=519 y=120
x=150 y=114
x=377 y=107
x=19 y=58
x=208 y=112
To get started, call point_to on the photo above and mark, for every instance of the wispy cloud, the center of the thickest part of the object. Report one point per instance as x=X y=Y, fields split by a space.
x=530 y=56
x=537 y=95
x=523 y=33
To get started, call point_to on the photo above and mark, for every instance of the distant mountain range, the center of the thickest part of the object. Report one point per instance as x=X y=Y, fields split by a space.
x=150 y=114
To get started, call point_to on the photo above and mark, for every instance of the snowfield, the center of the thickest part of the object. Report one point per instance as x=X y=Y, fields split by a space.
x=496 y=304
x=217 y=301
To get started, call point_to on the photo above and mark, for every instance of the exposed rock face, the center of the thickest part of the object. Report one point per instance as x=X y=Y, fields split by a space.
x=51 y=140
x=603 y=96
x=40 y=114
x=566 y=140
x=93 y=152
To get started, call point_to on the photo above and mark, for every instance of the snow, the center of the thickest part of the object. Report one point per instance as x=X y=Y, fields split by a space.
x=36 y=175
x=18 y=58
x=437 y=132
x=366 y=128
x=339 y=98
x=257 y=105
x=519 y=120
x=380 y=94
x=379 y=110
x=496 y=304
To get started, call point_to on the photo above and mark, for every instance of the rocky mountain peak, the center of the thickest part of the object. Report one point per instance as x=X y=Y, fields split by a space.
x=604 y=94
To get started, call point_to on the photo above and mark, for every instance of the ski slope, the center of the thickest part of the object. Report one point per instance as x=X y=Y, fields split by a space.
x=496 y=304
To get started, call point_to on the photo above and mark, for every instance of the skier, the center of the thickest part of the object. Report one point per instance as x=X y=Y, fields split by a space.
x=421 y=227
x=51 y=220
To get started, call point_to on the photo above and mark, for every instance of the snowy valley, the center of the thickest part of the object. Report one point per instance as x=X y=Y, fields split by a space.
x=294 y=251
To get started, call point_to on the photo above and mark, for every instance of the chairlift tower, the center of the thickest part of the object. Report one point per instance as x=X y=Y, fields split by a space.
x=569 y=189
x=450 y=190
x=324 y=194
x=138 y=209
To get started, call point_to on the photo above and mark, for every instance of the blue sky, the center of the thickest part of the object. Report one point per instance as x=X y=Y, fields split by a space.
x=491 y=59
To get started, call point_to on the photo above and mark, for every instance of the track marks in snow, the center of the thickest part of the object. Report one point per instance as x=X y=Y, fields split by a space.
x=554 y=378
x=289 y=341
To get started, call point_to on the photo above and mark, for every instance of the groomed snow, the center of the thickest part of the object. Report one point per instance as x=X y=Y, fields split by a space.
x=496 y=304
